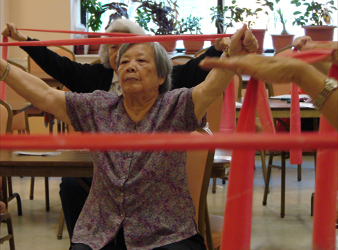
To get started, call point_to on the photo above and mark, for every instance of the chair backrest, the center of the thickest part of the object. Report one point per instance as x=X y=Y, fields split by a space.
x=96 y=61
x=6 y=116
x=199 y=164
x=200 y=52
x=62 y=51
x=178 y=60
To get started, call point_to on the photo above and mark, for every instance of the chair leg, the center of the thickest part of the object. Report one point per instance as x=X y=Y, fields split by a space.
x=263 y=165
x=312 y=202
x=282 y=206
x=267 y=181
x=61 y=223
x=10 y=232
x=12 y=195
x=6 y=217
x=47 y=193
x=31 y=194
x=213 y=185
x=299 y=172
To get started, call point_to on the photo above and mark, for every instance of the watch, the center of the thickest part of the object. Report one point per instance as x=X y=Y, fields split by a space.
x=330 y=85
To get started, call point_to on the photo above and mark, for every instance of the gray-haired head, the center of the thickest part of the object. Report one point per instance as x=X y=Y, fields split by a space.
x=119 y=25
x=163 y=65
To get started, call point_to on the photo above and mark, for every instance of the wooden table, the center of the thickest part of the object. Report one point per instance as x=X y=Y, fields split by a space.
x=281 y=109
x=67 y=164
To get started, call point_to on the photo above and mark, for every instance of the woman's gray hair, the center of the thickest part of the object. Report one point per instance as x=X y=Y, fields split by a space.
x=119 y=25
x=163 y=65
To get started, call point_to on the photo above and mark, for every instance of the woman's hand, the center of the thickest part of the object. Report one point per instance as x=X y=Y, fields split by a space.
x=242 y=42
x=11 y=31
x=300 y=42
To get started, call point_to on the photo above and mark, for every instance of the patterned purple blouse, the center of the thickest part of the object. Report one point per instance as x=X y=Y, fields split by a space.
x=146 y=193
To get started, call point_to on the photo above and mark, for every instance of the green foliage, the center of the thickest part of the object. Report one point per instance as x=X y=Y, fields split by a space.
x=158 y=18
x=314 y=13
x=96 y=9
x=226 y=17
x=190 y=24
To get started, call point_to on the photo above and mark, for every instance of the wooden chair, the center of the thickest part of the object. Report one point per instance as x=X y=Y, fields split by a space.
x=33 y=67
x=199 y=165
x=179 y=60
x=200 y=52
x=6 y=115
x=96 y=61
x=5 y=217
x=284 y=156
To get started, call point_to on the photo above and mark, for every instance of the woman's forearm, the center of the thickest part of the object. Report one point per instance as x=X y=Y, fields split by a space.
x=36 y=91
x=313 y=82
x=210 y=89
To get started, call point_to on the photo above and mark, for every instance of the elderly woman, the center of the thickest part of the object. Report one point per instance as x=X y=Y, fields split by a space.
x=83 y=78
x=133 y=202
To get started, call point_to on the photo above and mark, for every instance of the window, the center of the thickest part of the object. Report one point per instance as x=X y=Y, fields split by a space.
x=201 y=8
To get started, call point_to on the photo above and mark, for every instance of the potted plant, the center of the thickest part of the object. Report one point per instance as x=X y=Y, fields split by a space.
x=159 y=19
x=314 y=17
x=96 y=9
x=283 y=39
x=191 y=25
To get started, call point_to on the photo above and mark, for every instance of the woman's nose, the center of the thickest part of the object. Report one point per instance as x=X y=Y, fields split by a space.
x=131 y=67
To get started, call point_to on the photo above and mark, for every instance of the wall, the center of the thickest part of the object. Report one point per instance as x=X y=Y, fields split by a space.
x=36 y=14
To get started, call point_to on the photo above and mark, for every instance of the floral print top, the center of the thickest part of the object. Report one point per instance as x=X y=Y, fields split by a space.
x=146 y=193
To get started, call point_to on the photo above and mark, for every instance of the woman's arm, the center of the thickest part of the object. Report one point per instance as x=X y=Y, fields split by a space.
x=35 y=91
x=77 y=77
x=283 y=70
x=241 y=43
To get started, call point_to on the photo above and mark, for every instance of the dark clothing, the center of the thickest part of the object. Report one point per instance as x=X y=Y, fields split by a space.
x=86 y=78
x=195 y=242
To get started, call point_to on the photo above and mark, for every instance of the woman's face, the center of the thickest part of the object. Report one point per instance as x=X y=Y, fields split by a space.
x=138 y=72
x=113 y=51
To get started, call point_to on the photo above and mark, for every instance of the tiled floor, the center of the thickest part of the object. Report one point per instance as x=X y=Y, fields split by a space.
x=36 y=229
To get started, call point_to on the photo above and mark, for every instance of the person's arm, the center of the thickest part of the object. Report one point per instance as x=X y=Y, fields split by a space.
x=306 y=43
x=242 y=42
x=283 y=70
x=190 y=74
x=75 y=76
x=35 y=91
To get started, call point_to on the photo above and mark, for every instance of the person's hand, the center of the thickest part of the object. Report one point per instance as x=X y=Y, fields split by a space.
x=269 y=69
x=299 y=42
x=222 y=44
x=11 y=31
x=306 y=43
x=242 y=42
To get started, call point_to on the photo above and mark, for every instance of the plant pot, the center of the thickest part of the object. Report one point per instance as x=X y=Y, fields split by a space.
x=281 y=41
x=320 y=33
x=191 y=47
x=259 y=34
x=94 y=48
x=169 y=45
